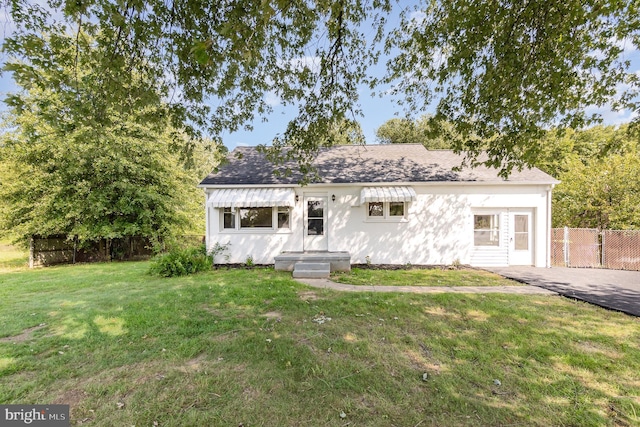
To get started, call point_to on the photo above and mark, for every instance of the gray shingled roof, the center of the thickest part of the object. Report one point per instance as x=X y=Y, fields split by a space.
x=393 y=163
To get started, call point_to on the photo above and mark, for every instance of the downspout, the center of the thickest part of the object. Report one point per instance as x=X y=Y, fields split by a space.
x=548 y=255
x=206 y=220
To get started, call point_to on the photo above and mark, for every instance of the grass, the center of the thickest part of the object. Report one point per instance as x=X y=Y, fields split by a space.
x=421 y=277
x=255 y=347
x=12 y=258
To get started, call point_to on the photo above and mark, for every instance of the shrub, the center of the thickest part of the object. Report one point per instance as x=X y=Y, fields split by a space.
x=181 y=262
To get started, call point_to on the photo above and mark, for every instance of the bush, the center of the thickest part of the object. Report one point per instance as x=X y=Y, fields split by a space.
x=181 y=262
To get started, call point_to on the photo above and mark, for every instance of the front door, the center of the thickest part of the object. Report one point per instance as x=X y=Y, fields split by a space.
x=521 y=239
x=315 y=223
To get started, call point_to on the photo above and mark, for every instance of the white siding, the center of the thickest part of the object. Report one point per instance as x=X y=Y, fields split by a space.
x=438 y=228
x=484 y=256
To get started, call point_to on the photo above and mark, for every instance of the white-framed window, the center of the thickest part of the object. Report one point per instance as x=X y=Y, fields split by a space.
x=486 y=229
x=284 y=214
x=229 y=218
x=256 y=217
x=376 y=210
x=396 y=209
x=386 y=211
x=267 y=218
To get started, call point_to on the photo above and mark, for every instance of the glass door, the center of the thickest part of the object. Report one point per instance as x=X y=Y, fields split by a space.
x=315 y=223
x=521 y=240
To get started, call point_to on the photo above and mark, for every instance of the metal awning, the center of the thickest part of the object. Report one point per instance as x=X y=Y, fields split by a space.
x=387 y=194
x=251 y=197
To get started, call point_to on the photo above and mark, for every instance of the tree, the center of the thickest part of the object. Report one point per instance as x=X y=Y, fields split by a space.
x=501 y=72
x=602 y=193
x=83 y=161
x=406 y=131
x=558 y=146
x=598 y=169
x=345 y=132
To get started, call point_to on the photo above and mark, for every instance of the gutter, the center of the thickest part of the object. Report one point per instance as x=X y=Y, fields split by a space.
x=384 y=184
x=548 y=255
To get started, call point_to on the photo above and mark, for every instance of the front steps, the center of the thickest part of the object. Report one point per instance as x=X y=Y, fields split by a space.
x=313 y=264
x=311 y=270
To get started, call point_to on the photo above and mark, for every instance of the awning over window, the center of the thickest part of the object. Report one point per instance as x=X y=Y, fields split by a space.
x=387 y=194
x=251 y=197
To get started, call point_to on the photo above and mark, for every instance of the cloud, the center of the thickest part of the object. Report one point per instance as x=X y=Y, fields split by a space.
x=272 y=99
x=417 y=18
x=610 y=116
x=312 y=63
x=627 y=45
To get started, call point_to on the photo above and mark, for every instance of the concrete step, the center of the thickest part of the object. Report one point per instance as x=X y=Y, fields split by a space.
x=312 y=266
x=310 y=274
x=311 y=269
x=339 y=261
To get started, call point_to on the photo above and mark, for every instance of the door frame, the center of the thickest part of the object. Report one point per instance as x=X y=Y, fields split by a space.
x=522 y=256
x=315 y=242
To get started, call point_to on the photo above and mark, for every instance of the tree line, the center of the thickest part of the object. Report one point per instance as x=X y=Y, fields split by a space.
x=119 y=102
x=599 y=169
x=90 y=160
x=501 y=71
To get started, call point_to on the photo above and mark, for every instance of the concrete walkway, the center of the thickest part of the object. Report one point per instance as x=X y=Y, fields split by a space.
x=523 y=290
x=613 y=289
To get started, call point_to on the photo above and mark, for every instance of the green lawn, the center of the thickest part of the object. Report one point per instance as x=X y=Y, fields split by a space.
x=421 y=277
x=255 y=347
x=12 y=258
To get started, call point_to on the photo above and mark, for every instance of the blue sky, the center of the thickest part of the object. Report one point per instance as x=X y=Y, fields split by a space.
x=376 y=110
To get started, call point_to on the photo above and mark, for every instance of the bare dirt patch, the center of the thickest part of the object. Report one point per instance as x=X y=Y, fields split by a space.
x=72 y=397
x=194 y=365
x=251 y=393
x=273 y=315
x=591 y=347
x=308 y=296
x=24 y=335
x=212 y=310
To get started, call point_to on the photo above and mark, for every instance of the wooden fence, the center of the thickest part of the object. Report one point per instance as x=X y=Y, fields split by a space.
x=53 y=250
x=588 y=247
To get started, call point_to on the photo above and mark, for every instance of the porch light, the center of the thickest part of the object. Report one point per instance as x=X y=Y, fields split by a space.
x=333 y=197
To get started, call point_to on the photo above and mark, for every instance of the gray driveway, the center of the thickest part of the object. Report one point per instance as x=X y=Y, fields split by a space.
x=613 y=289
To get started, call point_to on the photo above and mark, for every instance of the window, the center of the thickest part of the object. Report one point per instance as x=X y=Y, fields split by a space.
x=376 y=209
x=229 y=218
x=521 y=232
x=315 y=217
x=283 y=217
x=486 y=230
x=267 y=218
x=383 y=211
x=256 y=217
x=396 y=209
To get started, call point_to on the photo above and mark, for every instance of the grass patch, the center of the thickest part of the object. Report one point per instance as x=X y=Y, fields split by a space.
x=12 y=257
x=255 y=347
x=421 y=277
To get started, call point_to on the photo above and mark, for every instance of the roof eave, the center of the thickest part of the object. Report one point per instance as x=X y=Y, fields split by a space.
x=363 y=183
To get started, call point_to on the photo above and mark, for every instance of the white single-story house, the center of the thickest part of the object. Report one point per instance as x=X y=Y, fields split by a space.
x=379 y=204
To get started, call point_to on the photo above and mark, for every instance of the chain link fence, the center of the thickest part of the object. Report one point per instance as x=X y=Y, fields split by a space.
x=589 y=247
x=621 y=249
